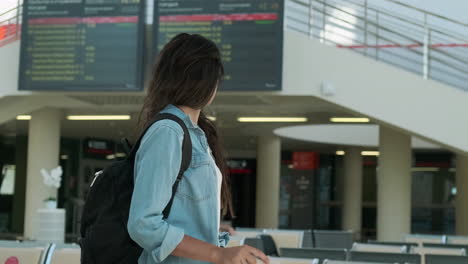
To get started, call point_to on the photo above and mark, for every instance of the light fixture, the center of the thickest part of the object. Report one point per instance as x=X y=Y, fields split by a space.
x=23 y=117
x=212 y=118
x=64 y=157
x=340 y=152
x=110 y=157
x=424 y=169
x=370 y=153
x=350 y=120
x=120 y=155
x=98 y=117
x=272 y=119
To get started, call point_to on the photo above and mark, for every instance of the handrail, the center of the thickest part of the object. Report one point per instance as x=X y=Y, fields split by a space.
x=428 y=12
x=403 y=18
x=383 y=28
x=416 y=46
x=10 y=25
x=8 y=11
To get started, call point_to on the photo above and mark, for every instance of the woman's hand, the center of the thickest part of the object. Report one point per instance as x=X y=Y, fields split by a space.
x=239 y=255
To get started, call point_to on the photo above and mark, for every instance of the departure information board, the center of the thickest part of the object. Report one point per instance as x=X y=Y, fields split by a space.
x=82 y=45
x=249 y=34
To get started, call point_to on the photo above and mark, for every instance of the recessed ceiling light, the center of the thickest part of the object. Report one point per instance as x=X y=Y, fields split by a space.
x=120 y=155
x=425 y=169
x=212 y=118
x=23 y=117
x=98 y=117
x=64 y=157
x=350 y=120
x=340 y=152
x=272 y=119
x=370 y=153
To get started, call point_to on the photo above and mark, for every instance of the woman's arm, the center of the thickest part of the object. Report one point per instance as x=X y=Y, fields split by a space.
x=157 y=164
x=196 y=249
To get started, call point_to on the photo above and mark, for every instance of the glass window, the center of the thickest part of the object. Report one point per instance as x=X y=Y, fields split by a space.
x=7 y=184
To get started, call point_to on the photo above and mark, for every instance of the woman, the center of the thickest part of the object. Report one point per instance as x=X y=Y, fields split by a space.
x=185 y=80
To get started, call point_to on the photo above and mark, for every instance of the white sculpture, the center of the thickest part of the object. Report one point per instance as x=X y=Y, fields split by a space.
x=52 y=179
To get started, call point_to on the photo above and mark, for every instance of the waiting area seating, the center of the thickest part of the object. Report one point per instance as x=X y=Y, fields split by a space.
x=23 y=252
x=64 y=254
x=363 y=247
x=333 y=239
x=285 y=247
x=420 y=239
x=282 y=260
x=38 y=253
x=299 y=238
x=321 y=254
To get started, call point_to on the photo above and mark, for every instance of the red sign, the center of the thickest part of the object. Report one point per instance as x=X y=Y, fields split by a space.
x=305 y=160
x=231 y=17
x=12 y=260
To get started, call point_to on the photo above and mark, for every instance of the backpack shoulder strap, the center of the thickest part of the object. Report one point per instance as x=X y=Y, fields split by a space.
x=186 y=153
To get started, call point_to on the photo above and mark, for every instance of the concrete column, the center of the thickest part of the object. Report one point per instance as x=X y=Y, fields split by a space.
x=43 y=152
x=352 y=191
x=461 y=202
x=393 y=185
x=268 y=179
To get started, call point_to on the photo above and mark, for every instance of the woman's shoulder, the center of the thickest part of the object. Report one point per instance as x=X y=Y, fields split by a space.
x=163 y=129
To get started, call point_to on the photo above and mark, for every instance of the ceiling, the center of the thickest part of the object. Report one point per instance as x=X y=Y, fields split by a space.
x=227 y=107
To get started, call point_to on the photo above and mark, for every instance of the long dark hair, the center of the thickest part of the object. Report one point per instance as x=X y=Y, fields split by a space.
x=186 y=73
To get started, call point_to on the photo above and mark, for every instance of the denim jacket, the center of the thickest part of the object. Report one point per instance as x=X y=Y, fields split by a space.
x=193 y=211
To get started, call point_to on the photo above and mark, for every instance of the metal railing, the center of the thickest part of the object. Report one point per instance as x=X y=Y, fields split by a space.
x=425 y=43
x=10 y=25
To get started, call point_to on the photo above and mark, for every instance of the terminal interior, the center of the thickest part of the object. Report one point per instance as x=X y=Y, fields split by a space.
x=344 y=131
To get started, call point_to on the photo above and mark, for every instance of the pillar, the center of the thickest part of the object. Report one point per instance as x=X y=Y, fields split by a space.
x=43 y=152
x=268 y=179
x=461 y=200
x=352 y=191
x=393 y=185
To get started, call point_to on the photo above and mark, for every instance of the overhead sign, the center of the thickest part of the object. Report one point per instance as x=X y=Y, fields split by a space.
x=249 y=34
x=76 y=45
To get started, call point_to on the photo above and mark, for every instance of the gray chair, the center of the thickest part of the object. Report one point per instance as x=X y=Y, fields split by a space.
x=394 y=243
x=420 y=239
x=434 y=245
x=63 y=253
x=314 y=253
x=443 y=259
x=333 y=239
x=349 y=262
x=254 y=242
x=269 y=245
x=308 y=240
x=457 y=240
x=25 y=252
x=385 y=257
x=365 y=247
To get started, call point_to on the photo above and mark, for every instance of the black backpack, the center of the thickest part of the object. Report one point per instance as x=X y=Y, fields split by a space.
x=104 y=235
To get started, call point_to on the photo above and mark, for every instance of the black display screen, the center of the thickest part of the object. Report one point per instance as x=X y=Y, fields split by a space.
x=82 y=45
x=249 y=34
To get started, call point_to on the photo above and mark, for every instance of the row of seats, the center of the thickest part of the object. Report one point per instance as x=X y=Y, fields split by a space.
x=412 y=251
x=369 y=256
x=403 y=247
x=300 y=238
x=38 y=253
x=436 y=239
x=312 y=261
